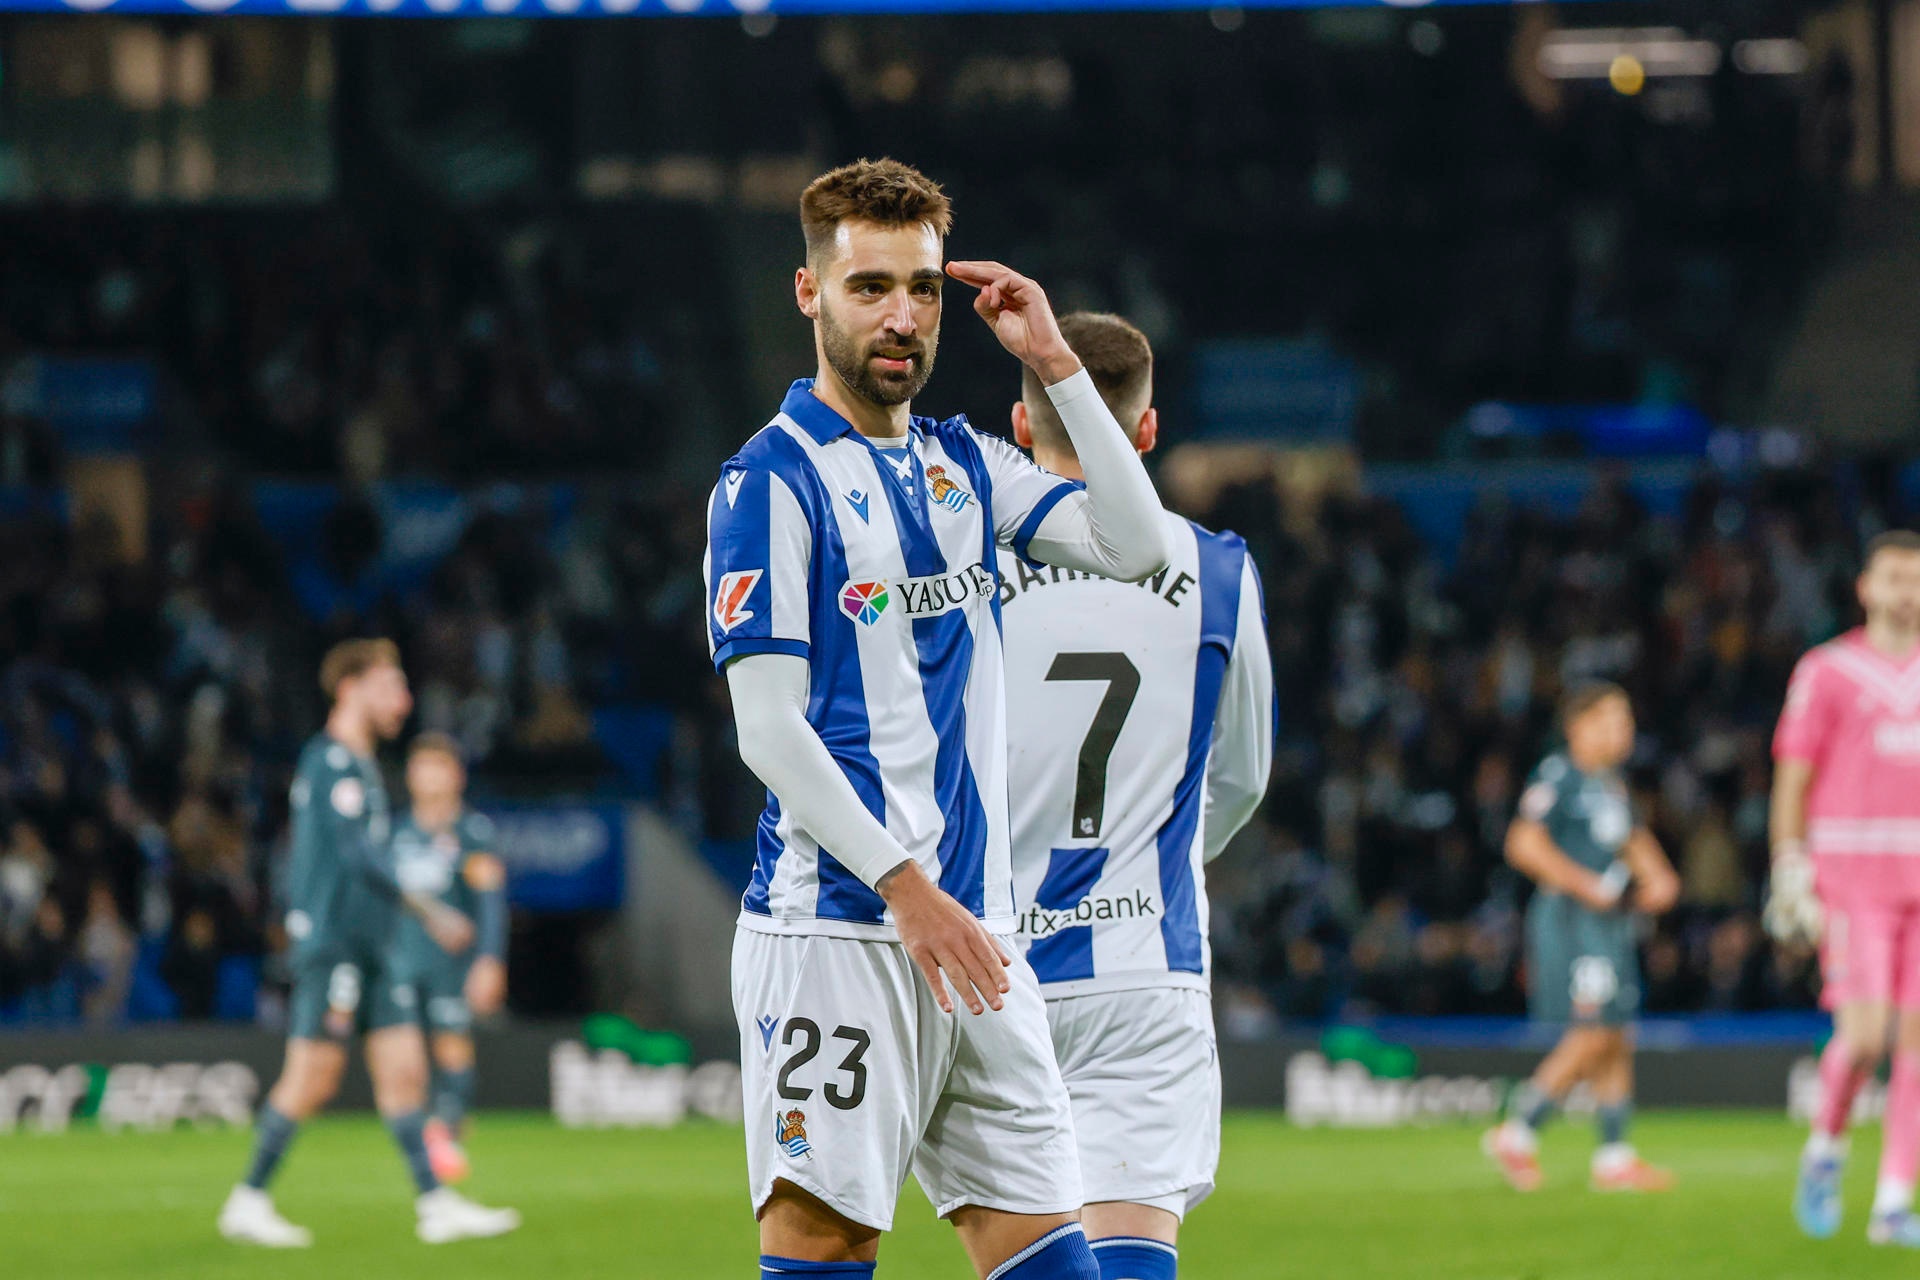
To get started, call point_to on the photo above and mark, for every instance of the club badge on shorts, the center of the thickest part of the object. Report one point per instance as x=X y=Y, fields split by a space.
x=790 y=1130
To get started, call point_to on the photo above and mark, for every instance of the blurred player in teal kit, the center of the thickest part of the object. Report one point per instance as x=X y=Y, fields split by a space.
x=1575 y=837
x=344 y=904
x=443 y=849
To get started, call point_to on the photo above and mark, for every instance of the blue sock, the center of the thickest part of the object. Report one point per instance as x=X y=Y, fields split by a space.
x=1530 y=1106
x=452 y=1095
x=1613 y=1120
x=272 y=1135
x=1135 y=1258
x=1061 y=1254
x=410 y=1132
x=771 y=1267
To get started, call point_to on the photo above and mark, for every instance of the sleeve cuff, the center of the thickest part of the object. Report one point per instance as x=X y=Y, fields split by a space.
x=1031 y=525
x=1068 y=390
x=756 y=644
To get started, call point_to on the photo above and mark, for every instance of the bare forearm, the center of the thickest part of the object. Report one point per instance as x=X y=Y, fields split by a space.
x=1532 y=852
x=1787 y=813
x=1645 y=858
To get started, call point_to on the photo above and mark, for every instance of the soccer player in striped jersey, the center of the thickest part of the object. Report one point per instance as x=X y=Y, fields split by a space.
x=854 y=609
x=1140 y=733
x=1846 y=873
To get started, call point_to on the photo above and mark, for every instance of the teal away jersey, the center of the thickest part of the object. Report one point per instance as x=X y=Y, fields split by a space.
x=456 y=866
x=1588 y=815
x=342 y=898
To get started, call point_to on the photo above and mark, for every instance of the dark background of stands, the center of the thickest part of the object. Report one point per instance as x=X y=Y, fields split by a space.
x=438 y=330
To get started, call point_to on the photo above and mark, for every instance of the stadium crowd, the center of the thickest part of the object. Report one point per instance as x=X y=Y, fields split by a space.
x=152 y=708
x=1417 y=695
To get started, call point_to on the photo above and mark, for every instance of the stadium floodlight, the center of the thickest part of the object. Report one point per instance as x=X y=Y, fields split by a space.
x=1591 y=54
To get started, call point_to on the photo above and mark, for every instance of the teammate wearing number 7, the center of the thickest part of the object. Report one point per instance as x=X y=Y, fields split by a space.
x=1140 y=732
x=853 y=608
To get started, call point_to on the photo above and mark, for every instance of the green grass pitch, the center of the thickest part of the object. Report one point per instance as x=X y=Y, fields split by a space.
x=1311 y=1204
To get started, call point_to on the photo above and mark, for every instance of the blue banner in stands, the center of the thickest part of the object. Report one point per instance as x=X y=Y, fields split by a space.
x=562 y=857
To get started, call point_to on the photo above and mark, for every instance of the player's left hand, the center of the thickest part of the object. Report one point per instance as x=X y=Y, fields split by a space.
x=486 y=986
x=1017 y=311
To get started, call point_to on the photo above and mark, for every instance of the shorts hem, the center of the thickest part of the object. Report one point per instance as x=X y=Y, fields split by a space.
x=1190 y=1193
x=1004 y=1206
x=763 y=1194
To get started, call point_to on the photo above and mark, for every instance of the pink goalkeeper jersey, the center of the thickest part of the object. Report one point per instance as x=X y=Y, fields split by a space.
x=1854 y=715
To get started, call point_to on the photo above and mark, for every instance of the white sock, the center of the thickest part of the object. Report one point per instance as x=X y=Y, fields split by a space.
x=1613 y=1156
x=1892 y=1196
x=1521 y=1136
x=1826 y=1146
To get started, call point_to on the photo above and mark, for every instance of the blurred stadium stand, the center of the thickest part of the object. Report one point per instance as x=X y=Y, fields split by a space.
x=1503 y=376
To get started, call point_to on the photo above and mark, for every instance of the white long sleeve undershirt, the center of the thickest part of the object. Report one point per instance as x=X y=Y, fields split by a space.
x=785 y=752
x=1113 y=527
x=1242 y=753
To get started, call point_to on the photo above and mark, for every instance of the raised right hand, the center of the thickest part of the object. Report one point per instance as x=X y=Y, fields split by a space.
x=944 y=937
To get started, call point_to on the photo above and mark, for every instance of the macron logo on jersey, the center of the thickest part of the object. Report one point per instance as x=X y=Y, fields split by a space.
x=730 y=600
x=731 y=482
x=926 y=597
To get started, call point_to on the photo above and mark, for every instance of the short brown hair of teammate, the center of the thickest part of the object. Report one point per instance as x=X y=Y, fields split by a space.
x=1120 y=360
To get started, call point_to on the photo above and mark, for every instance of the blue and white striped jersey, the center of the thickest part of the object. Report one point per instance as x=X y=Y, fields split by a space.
x=1140 y=721
x=878 y=567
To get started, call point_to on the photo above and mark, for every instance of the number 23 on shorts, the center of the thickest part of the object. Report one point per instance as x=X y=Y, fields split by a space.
x=844 y=1087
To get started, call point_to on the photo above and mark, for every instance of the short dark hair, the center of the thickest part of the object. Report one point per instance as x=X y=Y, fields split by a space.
x=1584 y=697
x=882 y=191
x=1891 y=540
x=352 y=658
x=433 y=742
x=1119 y=359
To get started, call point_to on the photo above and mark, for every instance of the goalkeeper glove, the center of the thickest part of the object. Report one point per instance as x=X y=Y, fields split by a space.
x=1793 y=913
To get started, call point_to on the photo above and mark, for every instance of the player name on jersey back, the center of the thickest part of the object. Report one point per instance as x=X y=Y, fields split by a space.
x=1017 y=577
x=1111 y=693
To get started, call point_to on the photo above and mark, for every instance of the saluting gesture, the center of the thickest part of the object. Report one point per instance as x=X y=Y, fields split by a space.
x=1017 y=311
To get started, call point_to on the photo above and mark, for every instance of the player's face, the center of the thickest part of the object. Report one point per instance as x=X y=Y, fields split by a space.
x=878 y=292
x=1890 y=589
x=1603 y=732
x=385 y=700
x=435 y=776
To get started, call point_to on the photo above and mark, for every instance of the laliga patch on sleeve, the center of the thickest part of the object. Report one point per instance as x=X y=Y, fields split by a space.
x=730 y=597
x=484 y=873
x=349 y=798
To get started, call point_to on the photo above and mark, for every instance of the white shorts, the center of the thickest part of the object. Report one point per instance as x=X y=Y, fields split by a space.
x=1144 y=1077
x=853 y=1077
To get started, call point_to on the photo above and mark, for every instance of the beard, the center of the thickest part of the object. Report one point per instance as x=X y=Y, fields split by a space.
x=854 y=364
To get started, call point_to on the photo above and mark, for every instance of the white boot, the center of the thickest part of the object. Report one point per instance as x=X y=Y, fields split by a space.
x=248 y=1217
x=446 y=1215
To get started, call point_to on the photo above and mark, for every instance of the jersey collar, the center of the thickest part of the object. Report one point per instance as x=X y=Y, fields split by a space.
x=824 y=424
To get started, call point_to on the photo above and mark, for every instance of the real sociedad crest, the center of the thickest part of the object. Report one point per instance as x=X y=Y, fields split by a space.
x=790 y=1131
x=946 y=492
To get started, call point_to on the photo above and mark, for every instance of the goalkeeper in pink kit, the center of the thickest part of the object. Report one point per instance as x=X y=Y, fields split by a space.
x=1846 y=874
